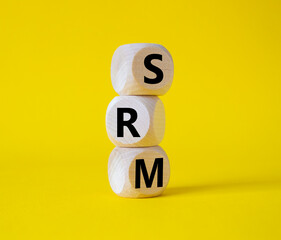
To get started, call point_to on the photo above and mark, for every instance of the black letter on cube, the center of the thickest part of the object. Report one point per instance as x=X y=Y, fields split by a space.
x=129 y=124
x=140 y=165
x=152 y=68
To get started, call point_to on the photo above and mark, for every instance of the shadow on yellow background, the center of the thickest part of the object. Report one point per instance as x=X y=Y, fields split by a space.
x=222 y=187
x=223 y=112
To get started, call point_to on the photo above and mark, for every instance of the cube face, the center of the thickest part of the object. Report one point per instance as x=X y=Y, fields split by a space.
x=142 y=69
x=134 y=121
x=138 y=172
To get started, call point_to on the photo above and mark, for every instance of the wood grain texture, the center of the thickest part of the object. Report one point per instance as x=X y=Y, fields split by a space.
x=122 y=171
x=150 y=121
x=128 y=69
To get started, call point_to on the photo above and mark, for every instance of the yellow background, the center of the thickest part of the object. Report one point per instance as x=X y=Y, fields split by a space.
x=223 y=134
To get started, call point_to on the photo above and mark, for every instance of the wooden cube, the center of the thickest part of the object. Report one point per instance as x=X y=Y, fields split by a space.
x=135 y=121
x=142 y=69
x=138 y=172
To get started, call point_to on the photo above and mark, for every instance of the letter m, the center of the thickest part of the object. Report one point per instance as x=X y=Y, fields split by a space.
x=140 y=166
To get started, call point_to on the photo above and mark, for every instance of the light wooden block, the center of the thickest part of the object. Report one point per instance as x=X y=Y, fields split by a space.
x=138 y=172
x=142 y=69
x=135 y=121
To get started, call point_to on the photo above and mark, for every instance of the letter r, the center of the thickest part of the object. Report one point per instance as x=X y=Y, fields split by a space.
x=121 y=123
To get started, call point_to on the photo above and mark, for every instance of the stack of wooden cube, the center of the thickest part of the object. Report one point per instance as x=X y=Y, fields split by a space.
x=135 y=120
